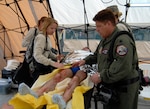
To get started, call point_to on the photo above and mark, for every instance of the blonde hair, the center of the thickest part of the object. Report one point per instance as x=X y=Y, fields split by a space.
x=41 y=20
x=48 y=21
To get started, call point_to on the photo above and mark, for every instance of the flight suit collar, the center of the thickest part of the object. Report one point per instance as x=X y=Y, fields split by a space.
x=107 y=40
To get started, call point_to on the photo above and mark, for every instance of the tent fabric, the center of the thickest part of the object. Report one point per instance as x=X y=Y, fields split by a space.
x=15 y=20
x=72 y=12
x=143 y=47
x=17 y=16
x=69 y=12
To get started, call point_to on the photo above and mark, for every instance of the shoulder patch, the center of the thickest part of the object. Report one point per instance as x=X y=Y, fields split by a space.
x=104 y=51
x=121 y=50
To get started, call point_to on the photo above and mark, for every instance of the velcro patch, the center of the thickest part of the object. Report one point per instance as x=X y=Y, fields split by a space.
x=121 y=50
x=104 y=51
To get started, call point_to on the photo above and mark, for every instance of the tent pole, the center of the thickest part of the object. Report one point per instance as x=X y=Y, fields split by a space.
x=57 y=38
x=127 y=8
x=5 y=44
x=22 y=14
x=86 y=24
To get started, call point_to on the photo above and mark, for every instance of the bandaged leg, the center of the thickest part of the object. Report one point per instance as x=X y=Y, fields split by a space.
x=57 y=99
x=75 y=81
x=23 y=89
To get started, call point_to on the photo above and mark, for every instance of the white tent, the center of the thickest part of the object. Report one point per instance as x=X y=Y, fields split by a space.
x=72 y=11
x=17 y=16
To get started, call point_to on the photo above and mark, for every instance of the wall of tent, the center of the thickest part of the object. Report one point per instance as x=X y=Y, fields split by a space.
x=17 y=16
x=140 y=34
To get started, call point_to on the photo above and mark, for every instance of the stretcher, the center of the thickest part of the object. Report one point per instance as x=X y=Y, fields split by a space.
x=77 y=102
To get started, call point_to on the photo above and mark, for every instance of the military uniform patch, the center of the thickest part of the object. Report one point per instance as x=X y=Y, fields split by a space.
x=122 y=50
x=104 y=51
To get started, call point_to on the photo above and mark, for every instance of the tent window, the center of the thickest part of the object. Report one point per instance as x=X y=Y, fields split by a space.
x=141 y=34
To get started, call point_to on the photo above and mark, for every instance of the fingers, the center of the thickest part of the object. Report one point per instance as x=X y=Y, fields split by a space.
x=79 y=63
x=75 y=64
x=95 y=78
x=60 y=57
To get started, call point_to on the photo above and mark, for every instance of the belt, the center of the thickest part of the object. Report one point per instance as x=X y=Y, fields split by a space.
x=128 y=81
x=125 y=83
x=119 y=85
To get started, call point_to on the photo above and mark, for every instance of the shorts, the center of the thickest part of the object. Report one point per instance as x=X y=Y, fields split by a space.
x=75 y=69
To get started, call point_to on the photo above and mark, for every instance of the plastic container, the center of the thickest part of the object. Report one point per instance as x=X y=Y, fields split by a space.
x=5 y=86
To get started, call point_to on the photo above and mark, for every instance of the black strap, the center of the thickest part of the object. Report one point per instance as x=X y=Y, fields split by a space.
x=128 y=81
x=119 y=86
x=111 y=57
x=110 y=52
x=33 y=41
x=46 y=48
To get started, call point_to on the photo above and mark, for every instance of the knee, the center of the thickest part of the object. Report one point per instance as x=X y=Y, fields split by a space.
x=76 y=79
x=66 y=73
x=57 y=77
x=63 y=73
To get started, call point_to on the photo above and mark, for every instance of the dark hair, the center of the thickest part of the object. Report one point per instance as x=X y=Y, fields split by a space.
x=105 y=15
